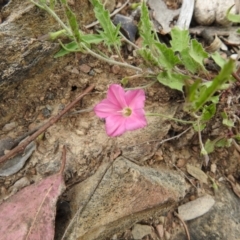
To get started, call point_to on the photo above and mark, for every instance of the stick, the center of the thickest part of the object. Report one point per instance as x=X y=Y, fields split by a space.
x=48 y=124
x=184 y=225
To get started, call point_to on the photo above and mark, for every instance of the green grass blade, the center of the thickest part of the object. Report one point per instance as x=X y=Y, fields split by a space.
x=217 y=82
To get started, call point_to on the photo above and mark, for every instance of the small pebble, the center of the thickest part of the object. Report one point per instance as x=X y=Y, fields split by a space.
x=213 y=168
x=3 y=191
x=21 y=183
x=181 y=162
x=9 y=126
x=167 y=235
x=160 y=230
x=91 y=73
x=49 y=96
x=84 y=68
x=75 y=71
x=61 y=107
x=98 y=70
x=116 y=69
x=162 y=219
x=46 y=112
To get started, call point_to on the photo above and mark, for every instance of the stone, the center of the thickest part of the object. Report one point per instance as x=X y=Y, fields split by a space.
x=126 y=194
x=85 y=68
x=9 y=126
x=19 y=184
x=139 y=231
x=221 y=222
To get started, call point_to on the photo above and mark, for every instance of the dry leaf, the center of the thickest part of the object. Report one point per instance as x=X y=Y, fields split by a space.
x=196 y=208
x=197 y=173
x=235 y=185
x=162 y=14
x=30 y=214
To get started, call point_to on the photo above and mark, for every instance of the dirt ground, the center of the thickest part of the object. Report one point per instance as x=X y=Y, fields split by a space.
x=29 y=103
x=33 y=101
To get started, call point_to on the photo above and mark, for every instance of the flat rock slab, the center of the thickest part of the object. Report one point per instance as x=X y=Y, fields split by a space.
x=127 y=193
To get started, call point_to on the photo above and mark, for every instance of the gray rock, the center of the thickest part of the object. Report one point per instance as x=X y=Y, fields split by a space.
x=9 y=126
x=15 y=164
x=127 y=193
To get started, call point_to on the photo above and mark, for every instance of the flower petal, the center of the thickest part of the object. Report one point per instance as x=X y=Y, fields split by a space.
x=115 y=125
x=136 y=120
x=135 y=98
x=106 y=108
x=116 y=95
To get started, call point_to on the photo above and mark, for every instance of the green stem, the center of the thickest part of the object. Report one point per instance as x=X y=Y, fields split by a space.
x=118 y=52
x=145 y=86
x=129 y=42
x=109 y=60
x=54 y=15
x=171 y=118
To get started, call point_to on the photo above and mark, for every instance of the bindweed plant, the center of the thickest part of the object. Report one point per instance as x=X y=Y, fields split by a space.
x=179 y=66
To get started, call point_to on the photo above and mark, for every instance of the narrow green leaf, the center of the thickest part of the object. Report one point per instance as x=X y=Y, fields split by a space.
x=220 y=79
x=180 y=39
x=224 y=142
x=145 y=27
x=52 y=4
x=209 y=146
x=222 y=87
x=189 y=62
x=92 y=38
x=200 y=128
x=167 y=58
x=233 y=17
x=198 y=53
x=72 y=47
x=218 y=59
x=237 y=137
x=55 y=35
x=172 y=80
x=147 y=55
x=42 y=2
x=215 y=99
x=110 y=33
x=72 y=20
x=226 y=121
x=208 y=112
x=192 y=91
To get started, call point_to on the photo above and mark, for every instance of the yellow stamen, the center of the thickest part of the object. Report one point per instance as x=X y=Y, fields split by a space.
x=127 y=112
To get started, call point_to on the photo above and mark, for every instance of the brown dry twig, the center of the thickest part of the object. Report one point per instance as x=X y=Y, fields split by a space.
x=48 y=124
x=184 y=225
x=61 y=171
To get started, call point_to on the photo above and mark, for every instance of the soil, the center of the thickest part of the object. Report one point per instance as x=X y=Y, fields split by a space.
x=33 y=100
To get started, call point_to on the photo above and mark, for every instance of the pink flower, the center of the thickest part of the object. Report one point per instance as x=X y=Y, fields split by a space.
x=123 y=111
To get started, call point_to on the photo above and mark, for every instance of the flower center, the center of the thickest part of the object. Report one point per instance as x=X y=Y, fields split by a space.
x=127 y=112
